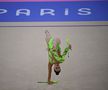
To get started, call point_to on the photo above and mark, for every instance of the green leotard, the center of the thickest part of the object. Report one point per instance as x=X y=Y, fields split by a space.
x=54 y=52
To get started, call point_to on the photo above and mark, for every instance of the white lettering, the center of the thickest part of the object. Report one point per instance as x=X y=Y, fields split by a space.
x=84 y=11
x=23 y=11
x=66 y=11
x=2 y=11
x=47 y=11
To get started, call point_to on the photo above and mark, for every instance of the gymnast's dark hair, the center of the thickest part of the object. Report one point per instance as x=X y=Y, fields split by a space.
x=57 y=72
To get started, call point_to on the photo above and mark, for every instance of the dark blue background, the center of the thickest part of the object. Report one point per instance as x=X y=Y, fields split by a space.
x=99 y=11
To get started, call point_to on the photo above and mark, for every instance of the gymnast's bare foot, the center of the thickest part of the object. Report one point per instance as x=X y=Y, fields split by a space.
x=50 y=82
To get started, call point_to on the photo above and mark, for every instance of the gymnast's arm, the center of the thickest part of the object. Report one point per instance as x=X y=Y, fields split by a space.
x=49 y=72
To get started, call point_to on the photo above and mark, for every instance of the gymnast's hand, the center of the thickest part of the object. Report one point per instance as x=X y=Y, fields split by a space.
x=70 y=47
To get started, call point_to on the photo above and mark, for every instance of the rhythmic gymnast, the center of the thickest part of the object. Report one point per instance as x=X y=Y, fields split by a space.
x=54 y=55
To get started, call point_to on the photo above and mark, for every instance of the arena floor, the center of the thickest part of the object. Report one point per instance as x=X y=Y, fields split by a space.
x=24 y=59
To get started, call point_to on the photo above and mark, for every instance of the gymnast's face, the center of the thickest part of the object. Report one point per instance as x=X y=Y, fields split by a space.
x=57 y=68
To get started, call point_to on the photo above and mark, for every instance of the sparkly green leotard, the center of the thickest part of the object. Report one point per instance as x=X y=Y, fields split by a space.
x=53 y=53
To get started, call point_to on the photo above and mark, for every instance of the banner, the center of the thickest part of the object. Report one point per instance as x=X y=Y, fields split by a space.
x=53 y=11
